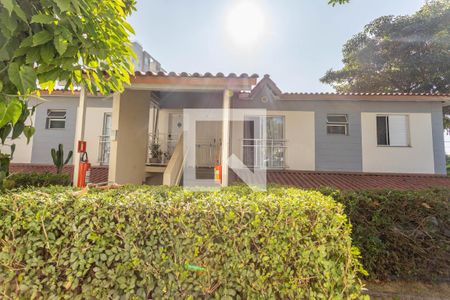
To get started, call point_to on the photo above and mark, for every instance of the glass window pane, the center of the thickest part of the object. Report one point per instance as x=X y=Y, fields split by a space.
x=336 y=129
x=337 y=119
x=57 y=124
x=56 y=113
x=382 y=131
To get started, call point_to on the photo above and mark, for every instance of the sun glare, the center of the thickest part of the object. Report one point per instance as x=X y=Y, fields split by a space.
x=245 y=23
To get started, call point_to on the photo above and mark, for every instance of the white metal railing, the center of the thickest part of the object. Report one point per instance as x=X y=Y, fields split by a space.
x=265 y=153
x=167 y=144
x=104 y=148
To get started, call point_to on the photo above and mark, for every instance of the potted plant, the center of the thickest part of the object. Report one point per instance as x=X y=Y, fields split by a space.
x=156 y=153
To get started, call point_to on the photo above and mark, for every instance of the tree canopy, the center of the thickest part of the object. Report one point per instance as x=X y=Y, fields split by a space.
x=78 y=42
x=398 y=54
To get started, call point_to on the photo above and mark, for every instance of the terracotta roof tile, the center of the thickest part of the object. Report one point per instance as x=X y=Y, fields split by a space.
x=196 y=74
x=364 y=94
x=355 y=181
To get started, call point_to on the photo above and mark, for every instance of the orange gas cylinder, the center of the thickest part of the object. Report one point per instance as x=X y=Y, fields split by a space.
x=218 y=174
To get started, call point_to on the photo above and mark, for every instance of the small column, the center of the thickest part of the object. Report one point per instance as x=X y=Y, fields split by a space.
x=79 y=132
x=225 y=135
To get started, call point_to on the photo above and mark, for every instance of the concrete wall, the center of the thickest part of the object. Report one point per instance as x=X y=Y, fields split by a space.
x=416 y=158
x=46 y=139
x=130 y=121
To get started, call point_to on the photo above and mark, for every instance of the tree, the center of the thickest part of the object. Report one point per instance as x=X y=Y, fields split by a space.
x=398 y=54
x=79 y=42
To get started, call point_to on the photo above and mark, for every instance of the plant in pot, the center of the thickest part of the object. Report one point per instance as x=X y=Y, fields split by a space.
x=156 y=153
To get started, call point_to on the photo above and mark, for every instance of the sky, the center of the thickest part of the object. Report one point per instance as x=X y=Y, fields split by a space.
x=294 y=41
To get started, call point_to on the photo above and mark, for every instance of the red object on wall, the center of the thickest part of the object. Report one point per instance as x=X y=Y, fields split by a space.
x=84 y=171
x=218 y=174
x=81 y=146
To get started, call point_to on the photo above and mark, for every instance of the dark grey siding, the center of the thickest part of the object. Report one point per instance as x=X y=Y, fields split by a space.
x=46 y=139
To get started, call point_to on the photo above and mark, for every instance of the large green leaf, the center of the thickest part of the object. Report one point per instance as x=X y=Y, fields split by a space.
x=42 y=19
x=29 y=131
x=60 y=44
x=63 y=5
x=42 y=37
x=47 y=53
x=13 y=112
x=23 y=77
x=8 y=4
x=17 y=130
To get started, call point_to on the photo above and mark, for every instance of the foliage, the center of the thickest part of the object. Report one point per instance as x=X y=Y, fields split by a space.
x=447 y=162
x=58 y=158
x=19 y=180
x=398 y=54
x=155 y=151
x=79 y=42
x=169 y=243
x=334 y=2
x=401 y=234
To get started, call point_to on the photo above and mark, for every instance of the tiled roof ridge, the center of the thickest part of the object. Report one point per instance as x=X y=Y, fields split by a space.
x=196 y=74
x=364 y=94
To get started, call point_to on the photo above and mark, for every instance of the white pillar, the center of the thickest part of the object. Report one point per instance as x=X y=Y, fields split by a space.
x=79 y=132
x=226 y=135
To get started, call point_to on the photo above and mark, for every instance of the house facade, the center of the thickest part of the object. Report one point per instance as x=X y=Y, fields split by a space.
x=315 y=132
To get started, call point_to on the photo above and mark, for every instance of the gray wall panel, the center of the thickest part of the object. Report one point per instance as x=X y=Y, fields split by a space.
x=46 y=139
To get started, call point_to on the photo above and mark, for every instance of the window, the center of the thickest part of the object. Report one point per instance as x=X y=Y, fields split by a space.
x=337 y=124
x=393 y=130
x=56 y=119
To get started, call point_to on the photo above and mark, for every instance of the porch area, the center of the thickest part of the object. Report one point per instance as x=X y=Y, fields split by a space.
x=146 y=143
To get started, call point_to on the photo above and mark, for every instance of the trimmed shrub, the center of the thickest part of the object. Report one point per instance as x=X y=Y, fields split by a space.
x=401 y=234
x=19 y=180
x=166 y=243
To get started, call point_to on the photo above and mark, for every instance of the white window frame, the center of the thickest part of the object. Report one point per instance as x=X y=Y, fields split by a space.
x=50 y=119
x=388 y=129
x=338 y=124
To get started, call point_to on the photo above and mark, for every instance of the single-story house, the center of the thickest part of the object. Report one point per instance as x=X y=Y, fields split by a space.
x=353 y=133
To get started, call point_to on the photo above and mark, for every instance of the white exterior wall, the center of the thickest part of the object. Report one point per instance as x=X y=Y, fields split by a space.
x=299 y=133
x=417 y=158
x=23 y=150
x=94 y=129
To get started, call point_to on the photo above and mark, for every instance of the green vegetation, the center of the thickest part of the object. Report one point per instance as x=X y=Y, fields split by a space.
x=447 y=159
x=78 y=42
x=401 y=234
x=166 y=243
x=398 y=54
x=20 y=180
x=58 y=158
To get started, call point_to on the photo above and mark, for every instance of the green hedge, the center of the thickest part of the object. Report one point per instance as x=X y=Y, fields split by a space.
x=401 y=234
x=160 y=243
x=19 y=180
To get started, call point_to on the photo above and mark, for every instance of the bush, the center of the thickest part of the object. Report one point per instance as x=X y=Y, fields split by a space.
x=18 y=180
x=161 y=243
x=401 y=234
